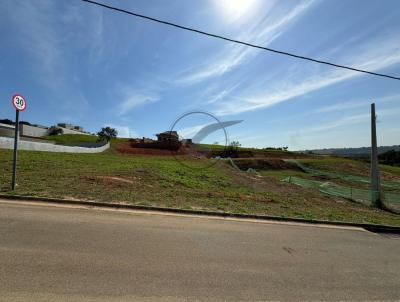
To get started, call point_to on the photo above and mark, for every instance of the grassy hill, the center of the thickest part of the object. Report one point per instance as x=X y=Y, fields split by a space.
x=66 y=139
x=347 y=165
x=73 y=139
x=362 y=151
x=164 y=181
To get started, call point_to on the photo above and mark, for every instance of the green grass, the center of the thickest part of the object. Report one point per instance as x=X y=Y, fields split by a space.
x=68 y=139
x=337 y=164
x=222 y=147
x=163 y=181
x=256 y=151
x=346 y=165
x=390 y=169
x=65 y=139
x=211 y=147
x=281 y=174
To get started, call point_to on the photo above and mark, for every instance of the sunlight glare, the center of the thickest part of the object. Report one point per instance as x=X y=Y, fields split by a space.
x=235 y=9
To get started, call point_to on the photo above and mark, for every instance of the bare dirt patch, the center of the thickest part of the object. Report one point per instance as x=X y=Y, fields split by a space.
x=127 y=148
x=264 y=164
x=113 y=181
x=260 y=154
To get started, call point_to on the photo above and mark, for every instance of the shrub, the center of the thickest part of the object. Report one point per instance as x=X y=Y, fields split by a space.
x=7 y=121
x=233 y=149
x=55 y=130
x=390 y=157
x=107 y=133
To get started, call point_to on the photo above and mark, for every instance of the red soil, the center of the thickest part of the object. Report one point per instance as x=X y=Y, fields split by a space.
x=126 y=148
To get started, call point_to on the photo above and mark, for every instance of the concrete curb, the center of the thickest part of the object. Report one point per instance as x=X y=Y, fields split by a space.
x=370 y=227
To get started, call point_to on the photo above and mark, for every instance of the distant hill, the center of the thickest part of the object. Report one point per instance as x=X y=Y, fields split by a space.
x=353 y=151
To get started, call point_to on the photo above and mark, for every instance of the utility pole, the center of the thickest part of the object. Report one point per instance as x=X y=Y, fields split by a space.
x=375 y=177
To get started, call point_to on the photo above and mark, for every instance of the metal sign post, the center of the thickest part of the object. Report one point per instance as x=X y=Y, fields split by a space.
x=19 y=103
x=14 y=175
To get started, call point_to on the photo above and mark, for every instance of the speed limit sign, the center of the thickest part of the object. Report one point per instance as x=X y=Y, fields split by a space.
x=19 y=102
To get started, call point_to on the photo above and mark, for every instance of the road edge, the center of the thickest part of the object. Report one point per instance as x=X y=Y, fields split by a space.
x=369 y=227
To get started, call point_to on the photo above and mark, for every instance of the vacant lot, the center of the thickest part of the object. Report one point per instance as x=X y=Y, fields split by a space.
x=163 y=181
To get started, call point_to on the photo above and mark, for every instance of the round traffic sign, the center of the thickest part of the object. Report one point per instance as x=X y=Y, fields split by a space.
x=19 y=102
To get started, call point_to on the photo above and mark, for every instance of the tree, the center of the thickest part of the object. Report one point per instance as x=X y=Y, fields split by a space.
x=7 y=121
x=391 y=157
x=233 y=149
x=107 y=133
x=235 y=144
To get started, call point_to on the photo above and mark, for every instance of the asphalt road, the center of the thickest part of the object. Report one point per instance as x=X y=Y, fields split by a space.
x=52 y=253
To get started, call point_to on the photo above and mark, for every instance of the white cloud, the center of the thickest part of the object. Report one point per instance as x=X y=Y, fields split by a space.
x=132 y=99
x=234 y=55
x=37 y=36
x=351 y=120
x=388 y=98
x=346 y=121
x=340 y=107
x=123 y=131
x=47 y=36
x=372 y=59
x=222 y=94
x=343 y=133
x=357 y=103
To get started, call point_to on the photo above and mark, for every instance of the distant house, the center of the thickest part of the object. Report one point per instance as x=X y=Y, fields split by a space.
x=7 y=130
x=25 y=129
x=65 y=125
x=6 y=121
x=70 y=127
x=78 y=128
x=33 y=130
x=168 y=136
x=168 y=140
x=143 y=140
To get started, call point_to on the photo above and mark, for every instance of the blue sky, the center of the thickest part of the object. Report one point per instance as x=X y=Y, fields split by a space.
x=81 y=64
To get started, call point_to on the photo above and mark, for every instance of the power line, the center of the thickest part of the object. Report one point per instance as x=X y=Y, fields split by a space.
x=239 y=42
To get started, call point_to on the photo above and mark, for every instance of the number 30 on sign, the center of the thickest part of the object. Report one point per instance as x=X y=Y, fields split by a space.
x=19 y=102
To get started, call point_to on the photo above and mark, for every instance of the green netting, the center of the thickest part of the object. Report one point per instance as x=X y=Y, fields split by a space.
x=304 y=182
x=251 y=170
x=348 y=177
x=392 y=197
x=389 y=199
x=232 y=163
